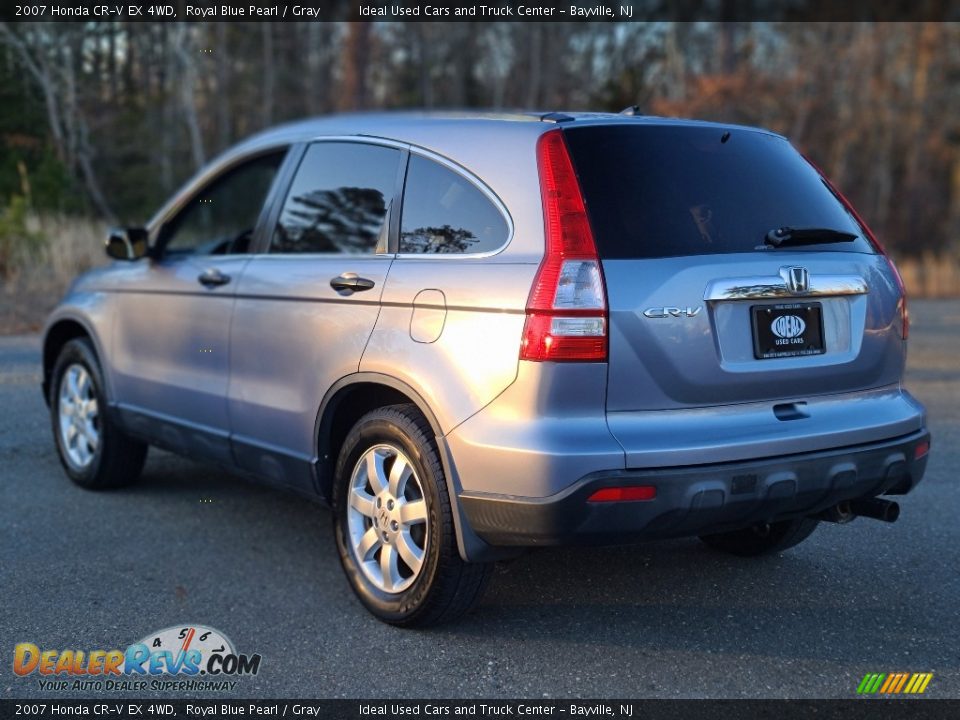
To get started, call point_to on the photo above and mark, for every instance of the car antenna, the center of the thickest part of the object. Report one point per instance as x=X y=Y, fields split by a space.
x=631 y=110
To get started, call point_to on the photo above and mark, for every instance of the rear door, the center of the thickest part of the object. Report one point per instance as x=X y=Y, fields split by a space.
x=703 y=311
x=307 y=304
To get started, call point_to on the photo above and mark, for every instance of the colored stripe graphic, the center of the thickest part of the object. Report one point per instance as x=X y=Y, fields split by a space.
x=903 y=681
x=918 y=683
x=894 y=683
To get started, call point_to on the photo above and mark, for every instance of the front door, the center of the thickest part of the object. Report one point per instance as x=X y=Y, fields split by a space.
x=173 y=314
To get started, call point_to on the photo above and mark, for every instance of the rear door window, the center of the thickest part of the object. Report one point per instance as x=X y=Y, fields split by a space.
x=664 y=191
x=339 y=201
x=444 y=212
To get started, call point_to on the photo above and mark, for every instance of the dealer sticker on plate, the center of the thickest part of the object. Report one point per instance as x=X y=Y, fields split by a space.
x=787 y=330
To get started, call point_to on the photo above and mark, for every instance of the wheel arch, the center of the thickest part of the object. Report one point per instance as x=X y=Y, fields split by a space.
x=347 y=401
x=59 y=332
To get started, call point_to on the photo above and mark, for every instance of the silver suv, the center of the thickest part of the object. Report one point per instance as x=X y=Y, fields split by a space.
x=475 y=334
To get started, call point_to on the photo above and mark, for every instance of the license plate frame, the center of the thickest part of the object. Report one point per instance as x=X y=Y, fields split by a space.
x=799 y=334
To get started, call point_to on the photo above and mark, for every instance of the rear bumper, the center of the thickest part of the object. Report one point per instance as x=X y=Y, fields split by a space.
x=699 y=499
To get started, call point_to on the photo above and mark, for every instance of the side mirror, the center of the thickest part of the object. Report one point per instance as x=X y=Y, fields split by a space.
x=127 y=243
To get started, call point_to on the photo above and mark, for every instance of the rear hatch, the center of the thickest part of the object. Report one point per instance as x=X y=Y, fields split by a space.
x=703 y=309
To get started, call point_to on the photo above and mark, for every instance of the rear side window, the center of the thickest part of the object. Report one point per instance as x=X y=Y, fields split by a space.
x=339 y=201
x=664 y=191
x=443 y=212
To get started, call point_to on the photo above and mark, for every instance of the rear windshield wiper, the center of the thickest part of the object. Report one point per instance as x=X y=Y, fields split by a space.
x=806 y=236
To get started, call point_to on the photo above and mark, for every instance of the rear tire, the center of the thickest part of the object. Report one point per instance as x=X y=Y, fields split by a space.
x=393 y=523
x=762 y=539
x=94 y=452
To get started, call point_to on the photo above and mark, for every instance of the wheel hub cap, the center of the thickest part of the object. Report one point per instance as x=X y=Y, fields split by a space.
x=78 y=417
x=387 y=519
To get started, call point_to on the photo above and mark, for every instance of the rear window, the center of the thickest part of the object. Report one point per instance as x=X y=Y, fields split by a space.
x=666 y=191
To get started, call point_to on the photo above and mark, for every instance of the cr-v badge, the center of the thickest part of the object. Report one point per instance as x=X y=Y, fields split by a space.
x=664 y=312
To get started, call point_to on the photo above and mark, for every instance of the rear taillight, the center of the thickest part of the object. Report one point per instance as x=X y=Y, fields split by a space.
x=567 y=307
x=902 y=304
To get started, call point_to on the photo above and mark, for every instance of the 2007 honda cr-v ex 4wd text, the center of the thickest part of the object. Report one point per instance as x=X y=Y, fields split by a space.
x=472 y=334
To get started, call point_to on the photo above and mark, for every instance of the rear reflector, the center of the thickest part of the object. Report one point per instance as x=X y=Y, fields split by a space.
x=922 y=449
x=624 y=494
x=567 y=307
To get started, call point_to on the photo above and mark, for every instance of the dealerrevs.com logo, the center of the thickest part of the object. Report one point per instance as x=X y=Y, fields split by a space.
x=183 y=657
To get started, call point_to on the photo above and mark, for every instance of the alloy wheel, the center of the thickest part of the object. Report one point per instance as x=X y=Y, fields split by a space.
x=79 y=416
x=387 y=519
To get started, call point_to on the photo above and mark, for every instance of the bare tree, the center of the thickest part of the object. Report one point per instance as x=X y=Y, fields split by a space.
x=186 y=53
x=68 y=126
x=269 y=75
x=354 y=93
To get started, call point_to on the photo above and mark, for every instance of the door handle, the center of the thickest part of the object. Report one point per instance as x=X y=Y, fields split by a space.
x=212 y=278
x=349 y=282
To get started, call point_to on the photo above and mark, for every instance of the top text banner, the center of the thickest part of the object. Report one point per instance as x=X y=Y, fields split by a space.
x=505 y=11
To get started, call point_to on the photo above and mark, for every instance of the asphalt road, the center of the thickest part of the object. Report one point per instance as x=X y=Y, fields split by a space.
x=669 y=619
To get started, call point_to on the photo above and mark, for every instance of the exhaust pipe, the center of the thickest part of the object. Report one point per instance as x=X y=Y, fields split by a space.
x=875 y=508
x=839 y=513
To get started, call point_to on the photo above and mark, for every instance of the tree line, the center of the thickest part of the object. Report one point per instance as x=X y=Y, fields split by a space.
x=108 y=118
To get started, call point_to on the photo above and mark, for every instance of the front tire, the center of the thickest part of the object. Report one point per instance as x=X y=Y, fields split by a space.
x=94 y=452
x=393 y=523
x=762 y=539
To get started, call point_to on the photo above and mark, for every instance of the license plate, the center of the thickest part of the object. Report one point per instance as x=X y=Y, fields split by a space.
x=787 y=330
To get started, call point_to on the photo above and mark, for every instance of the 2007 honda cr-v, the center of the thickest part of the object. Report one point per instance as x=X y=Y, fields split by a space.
x=476 y=333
